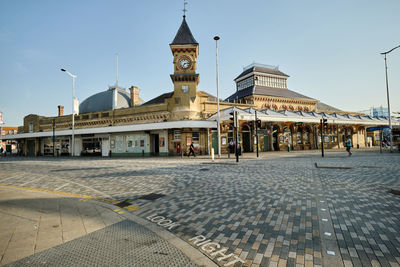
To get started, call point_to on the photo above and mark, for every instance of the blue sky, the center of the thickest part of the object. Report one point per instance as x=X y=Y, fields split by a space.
x=330 y=49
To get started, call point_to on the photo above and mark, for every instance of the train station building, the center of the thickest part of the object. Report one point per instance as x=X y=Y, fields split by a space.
x=117 y=122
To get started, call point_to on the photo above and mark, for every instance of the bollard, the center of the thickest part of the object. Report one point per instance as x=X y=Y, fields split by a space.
x=212 y=154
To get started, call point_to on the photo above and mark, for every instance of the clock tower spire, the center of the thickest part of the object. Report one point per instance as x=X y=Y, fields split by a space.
x=185 y=50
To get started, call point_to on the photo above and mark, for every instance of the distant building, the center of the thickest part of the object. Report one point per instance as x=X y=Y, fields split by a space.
x=8 y=145
x=379 y=112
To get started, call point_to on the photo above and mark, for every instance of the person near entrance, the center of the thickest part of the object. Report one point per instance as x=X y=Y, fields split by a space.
x=191 y=150
x=348 y=145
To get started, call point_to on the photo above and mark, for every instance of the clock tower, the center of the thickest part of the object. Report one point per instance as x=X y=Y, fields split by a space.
x=185 y=50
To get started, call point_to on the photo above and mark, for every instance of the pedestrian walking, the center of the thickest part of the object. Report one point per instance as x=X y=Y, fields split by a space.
x=191 y=150
x=348 y=145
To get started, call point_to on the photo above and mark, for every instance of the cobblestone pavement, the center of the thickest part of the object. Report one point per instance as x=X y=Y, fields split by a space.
x=294 y=209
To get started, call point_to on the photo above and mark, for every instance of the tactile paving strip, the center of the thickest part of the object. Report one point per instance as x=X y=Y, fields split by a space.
x=122 y=244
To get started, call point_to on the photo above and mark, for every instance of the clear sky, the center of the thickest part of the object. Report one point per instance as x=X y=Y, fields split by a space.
x=330 y=49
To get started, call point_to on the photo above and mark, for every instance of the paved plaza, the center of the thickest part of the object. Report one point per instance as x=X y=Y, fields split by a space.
x=286 y=209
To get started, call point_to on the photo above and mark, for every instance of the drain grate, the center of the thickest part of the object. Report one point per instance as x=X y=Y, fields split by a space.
x=332 y=167
x=152 y=196
x=204 y=169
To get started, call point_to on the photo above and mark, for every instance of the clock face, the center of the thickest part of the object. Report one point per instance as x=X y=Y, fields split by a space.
x=184 y=63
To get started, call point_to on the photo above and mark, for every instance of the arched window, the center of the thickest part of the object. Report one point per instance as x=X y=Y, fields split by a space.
x=306 y=135
x=299 y=134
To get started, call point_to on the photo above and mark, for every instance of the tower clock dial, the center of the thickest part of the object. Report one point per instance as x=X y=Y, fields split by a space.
x=184 y=63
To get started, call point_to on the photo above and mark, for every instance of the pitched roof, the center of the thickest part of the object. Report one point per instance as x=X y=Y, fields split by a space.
x=267 y=91
x=159 y=99
x=262 y=70
x=210 y=97
x=322 y=106
x=184 y=35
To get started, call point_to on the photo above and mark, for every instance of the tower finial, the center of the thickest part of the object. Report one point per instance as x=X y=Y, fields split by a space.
x=184 y=8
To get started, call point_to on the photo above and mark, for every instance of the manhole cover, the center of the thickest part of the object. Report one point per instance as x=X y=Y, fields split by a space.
x=151 y=196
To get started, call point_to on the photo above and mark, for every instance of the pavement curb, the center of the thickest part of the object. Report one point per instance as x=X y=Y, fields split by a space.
x=193 y=254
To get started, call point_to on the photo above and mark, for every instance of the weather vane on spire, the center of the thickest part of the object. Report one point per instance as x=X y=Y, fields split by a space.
x=184 y=8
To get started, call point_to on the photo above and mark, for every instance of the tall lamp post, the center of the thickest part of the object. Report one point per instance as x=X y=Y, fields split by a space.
x=73 y=111
x=388 y=99
x=216 y=38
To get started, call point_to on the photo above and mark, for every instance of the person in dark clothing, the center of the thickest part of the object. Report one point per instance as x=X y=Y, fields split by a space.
x=348 y=145
x=191 y=150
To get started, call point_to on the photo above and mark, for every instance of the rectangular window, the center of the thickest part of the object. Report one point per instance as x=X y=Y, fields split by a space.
x=95 y=116
x=85 y=117
x=104 y=115
x=177 y=135
x=119 y=143
x=196 y=137
x=130 y=143
x=31 y=127
x=185 y=88
x=177 y=100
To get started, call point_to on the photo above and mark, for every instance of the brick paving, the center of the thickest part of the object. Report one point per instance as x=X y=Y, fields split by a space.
x=278 y=210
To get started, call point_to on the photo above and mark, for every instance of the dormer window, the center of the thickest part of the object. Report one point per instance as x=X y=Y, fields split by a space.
x=245 y=83
x=269 y=81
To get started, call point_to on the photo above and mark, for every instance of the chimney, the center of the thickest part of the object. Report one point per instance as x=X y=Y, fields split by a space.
x=60 y=111
x=134 y=96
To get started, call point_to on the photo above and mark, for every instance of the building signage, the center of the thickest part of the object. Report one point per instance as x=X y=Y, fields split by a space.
x=1 y=117
x=214 y=250
x=76 y=106
x=162 y=141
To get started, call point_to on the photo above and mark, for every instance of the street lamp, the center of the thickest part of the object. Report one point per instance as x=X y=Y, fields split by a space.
x=73 y=112
x=216 y=38
x=387 y=93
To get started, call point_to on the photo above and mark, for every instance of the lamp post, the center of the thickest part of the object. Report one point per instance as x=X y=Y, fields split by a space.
x=216 y=38
x=388 y=99
x=73 y=111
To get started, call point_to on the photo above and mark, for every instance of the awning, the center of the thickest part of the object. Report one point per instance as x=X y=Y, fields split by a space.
x=118 y=129
x=371 y=129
